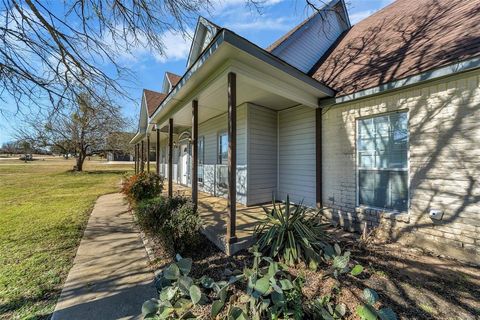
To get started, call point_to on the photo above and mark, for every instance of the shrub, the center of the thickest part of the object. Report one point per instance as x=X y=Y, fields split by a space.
x=367 y=310
x=184 y=224
x=175 y=220
x=152 y=213
x=272 y=292
x=324 y=308
x=292 y=234
x=267 y=292
x=177 y=293
x=142 y=186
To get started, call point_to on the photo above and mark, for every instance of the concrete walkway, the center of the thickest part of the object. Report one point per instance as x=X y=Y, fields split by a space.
x=110 y=278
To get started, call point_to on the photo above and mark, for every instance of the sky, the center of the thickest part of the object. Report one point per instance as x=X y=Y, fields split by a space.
x=275 y=19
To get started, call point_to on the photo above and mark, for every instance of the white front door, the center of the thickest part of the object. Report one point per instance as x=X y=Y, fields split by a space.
x=185 y=164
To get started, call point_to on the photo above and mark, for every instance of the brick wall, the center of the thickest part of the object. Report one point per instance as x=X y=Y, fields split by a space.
x=444 y=160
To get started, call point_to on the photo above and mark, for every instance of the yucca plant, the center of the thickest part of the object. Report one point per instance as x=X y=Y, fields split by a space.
x=292 y=233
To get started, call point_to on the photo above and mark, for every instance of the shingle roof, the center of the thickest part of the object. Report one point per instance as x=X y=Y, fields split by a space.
x=405 y=38
x=153 y=100
x=173 y=78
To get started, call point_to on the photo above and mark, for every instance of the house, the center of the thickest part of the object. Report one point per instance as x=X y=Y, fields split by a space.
x=118 y=148
x=377 y=123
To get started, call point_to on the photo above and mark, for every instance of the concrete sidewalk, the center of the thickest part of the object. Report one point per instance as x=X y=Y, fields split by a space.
x=110 y=278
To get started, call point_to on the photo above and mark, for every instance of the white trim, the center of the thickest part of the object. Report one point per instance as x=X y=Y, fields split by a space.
x=430 y=75
x=407 y=169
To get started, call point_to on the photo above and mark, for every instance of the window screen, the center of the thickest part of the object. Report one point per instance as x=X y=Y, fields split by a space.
x=222 y=148
x=201 y=148
x=382 y=155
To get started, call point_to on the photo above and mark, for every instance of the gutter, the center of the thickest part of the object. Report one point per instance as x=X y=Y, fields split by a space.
x=430 y=75
x=225 y=35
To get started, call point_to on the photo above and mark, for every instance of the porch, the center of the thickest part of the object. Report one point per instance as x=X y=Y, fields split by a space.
x=235 y=133
x=214 y=213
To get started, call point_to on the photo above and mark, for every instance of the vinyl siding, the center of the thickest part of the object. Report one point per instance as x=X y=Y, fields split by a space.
x=212 y=127
x=210 y=130
x=262 y=154
x=296 y=157
x=307 y=47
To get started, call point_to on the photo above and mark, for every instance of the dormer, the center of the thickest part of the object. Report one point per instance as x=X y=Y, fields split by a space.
x=305 y=45
x=170 y=81
x=204 y=33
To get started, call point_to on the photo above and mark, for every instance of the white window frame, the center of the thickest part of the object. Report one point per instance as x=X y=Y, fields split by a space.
x=357 y=160
x=219 y=134
x=201 y=159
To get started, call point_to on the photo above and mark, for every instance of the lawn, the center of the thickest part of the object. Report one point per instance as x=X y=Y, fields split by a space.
x=43 y=211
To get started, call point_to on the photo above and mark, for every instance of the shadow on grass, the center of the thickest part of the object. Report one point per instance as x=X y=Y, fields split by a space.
x=97 y=172
x=42 y=300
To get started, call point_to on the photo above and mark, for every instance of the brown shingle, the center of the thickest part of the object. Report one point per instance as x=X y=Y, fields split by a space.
x=173 y=78
x=405 y=38
x=153 y=100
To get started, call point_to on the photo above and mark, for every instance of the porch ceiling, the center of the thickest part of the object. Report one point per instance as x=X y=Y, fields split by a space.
x=261 y=79
x=213 y=100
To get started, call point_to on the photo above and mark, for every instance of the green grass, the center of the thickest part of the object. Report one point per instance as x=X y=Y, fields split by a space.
x=43 y=212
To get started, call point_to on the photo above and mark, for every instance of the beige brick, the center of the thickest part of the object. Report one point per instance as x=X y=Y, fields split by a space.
x=444 y=128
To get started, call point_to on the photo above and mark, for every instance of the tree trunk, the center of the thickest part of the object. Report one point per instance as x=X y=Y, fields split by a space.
x=80 y=159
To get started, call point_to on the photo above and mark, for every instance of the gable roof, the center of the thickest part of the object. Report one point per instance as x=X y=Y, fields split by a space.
x=287 y=35
x=205 y=31
x=302 y=25
x=173 y=78
x=152 y=100
x=406 y=38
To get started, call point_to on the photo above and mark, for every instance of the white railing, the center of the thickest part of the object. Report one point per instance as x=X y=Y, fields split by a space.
x=213 y=179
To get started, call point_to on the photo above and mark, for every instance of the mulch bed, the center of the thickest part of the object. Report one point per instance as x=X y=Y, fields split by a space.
x=414 y=284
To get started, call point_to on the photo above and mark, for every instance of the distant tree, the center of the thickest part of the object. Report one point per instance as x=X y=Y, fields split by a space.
x=10 y=147
x=26 y=147
x=80 y=131
x=120 y=141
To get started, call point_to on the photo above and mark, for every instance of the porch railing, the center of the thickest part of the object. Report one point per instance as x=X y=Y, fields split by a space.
x=213 y=179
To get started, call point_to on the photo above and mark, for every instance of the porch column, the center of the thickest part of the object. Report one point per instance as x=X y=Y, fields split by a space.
x=148 y=153
x=142 y=159
x=170 y=157
x=318 y=157
x=195 y=154
x=157 y=152
x=135 y=158
x=232 y=158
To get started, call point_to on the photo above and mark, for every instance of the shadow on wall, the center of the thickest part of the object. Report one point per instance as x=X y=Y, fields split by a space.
x=401 y=46
x=443 y=134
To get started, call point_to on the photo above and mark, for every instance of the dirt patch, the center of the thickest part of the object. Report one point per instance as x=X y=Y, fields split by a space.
x=414 y=284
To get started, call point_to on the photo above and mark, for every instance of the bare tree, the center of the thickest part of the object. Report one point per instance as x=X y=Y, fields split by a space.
x=82 y=131
x=10 y=147
x=56 y=49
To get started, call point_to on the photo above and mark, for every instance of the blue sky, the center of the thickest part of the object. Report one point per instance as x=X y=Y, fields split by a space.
x=275 y=19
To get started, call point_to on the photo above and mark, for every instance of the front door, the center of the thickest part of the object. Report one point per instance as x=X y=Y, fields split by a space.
x=185 y=163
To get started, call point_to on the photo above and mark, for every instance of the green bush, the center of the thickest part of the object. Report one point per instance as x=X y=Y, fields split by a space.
x=142 y=186
x=292 y=234
x=152 y=213
x=266 y=291
x=175 y=220
x=367 y=310
x=184 y=225
x=178 y=293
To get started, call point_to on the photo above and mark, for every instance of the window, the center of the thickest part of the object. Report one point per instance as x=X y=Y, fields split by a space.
x=201 y=158
x=201 y=148
x=222 y=148
x=382 y=162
